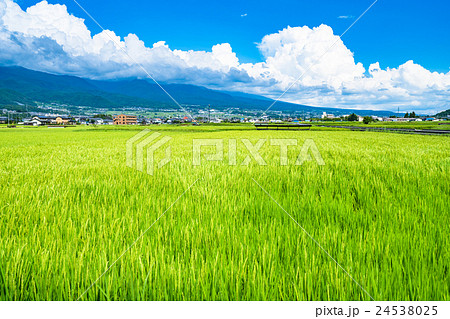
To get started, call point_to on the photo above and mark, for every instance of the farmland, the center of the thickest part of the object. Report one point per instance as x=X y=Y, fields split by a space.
x=425 y=125
x=69 y=208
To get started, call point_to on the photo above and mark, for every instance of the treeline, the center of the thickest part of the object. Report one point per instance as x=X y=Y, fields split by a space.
x=411 y=115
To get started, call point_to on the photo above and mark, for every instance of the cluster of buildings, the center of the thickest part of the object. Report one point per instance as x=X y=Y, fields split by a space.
x=123 y=119
x=48 y=120
x=328 y=116
x=39 y=120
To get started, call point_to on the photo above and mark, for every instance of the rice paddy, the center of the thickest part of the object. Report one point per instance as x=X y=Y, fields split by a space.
x=70 y=207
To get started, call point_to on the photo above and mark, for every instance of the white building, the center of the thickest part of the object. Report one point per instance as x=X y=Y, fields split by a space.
x=327 y=116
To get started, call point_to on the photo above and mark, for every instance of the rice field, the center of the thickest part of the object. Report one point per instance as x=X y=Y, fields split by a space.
x=70 y=207
x=424 y=125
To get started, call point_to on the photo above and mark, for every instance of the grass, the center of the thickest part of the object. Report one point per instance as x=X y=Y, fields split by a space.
x=69 y=207
x=425 y=125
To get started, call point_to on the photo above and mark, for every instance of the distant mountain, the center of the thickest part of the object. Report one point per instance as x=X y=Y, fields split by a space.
x=13 y=97
x=22 y=86
x=443 y=114
x=43 y=87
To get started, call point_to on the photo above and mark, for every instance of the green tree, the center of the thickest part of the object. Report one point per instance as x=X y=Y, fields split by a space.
x=367 y=119
x=406 y=115
x=353 y=117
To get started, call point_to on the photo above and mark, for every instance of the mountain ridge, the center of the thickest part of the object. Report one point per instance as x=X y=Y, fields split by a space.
x=24 y=86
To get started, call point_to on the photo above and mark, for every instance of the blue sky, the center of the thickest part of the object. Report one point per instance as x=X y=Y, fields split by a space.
x=392 y=32
x=395 y=56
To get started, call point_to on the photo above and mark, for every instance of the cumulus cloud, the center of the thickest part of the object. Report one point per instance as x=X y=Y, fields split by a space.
x=293 y=52
x=46 y=37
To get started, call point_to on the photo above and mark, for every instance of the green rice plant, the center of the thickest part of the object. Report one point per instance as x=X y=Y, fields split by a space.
x=70 y=207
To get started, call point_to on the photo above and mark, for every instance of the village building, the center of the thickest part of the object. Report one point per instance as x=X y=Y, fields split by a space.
x=123 y=119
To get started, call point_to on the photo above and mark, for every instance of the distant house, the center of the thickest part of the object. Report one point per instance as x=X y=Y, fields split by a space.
x=96 y=120
x=327 y=116
x=42 y=120
x=62 y=120
x=81 y=119
x=3 y=120
x=123 y=119
x=34 y=122
x=108 y=122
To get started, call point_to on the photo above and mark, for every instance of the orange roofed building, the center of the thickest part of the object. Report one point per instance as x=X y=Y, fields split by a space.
x=123 y=119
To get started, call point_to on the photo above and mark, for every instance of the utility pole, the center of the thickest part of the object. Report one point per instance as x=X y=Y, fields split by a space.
x=209 y=113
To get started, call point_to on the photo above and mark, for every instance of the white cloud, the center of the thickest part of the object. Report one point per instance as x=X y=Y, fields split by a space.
x=345 y=17
x=243 y=15
x=46 y=37
x=291 y=52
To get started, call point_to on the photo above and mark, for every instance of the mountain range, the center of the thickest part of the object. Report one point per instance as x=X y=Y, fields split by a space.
x=20 y=86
